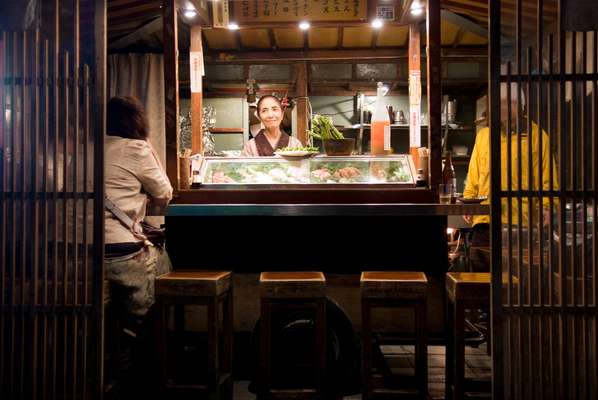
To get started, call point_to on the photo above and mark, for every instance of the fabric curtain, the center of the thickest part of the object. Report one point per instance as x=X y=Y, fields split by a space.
x=142 y=76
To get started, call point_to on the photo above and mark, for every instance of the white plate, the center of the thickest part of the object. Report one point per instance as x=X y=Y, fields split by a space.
x=296 y=153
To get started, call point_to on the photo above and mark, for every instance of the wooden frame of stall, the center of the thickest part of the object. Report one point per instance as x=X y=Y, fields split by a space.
x=307 y=193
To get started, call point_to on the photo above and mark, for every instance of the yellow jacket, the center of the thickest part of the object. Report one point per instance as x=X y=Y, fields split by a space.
x=478 y=175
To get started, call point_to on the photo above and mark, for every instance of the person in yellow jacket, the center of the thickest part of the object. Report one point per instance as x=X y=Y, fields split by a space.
x=478 y=176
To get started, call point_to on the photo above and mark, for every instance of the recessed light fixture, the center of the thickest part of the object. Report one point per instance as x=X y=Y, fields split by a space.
x=417 y=8
x=233 y=26
x=377 y=23
x=190 y=13
x=304 y=25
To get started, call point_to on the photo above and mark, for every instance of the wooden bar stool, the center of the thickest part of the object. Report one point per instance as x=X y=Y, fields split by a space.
x=212 y=289
x=465 y=290
x=394 y=289
x=280 y=291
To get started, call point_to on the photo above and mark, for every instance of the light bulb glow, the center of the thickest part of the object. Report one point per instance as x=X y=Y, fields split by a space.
x=190 y=13
x=233 y=26
x=304 y=25
x=377 y=23
x=416 y=8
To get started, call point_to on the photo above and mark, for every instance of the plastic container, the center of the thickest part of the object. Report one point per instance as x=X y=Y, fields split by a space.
x=380 y=134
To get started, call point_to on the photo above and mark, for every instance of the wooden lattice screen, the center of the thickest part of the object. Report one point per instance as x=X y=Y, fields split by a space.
x=52 y=57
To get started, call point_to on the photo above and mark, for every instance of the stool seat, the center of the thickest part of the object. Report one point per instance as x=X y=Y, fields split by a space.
x=193 y=283
x=468 y=286
x=302 y=284
x=393 y=284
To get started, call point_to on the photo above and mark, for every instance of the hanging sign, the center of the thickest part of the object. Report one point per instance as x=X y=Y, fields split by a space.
x=415 y=94
x=299 y=10
x=220 y=14
x=197 y=70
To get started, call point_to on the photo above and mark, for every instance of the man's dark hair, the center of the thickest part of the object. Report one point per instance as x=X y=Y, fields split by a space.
x=126 y=118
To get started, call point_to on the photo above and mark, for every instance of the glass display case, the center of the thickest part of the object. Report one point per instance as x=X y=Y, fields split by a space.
x=319 y=170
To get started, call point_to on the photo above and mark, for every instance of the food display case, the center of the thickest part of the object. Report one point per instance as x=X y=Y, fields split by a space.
x=320 y=170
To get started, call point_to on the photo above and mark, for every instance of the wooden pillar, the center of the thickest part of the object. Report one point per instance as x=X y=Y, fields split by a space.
x=302 y=109
x=415 y=91
x=171 y=91
x=196 y=73
x=434 y=91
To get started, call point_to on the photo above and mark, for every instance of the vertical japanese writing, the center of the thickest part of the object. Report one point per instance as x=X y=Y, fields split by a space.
x=255 y=8
x=346 y=7
x=326 y=7
x=245 y=8
x=296 y=8
x=266 y=9
x=355 y=8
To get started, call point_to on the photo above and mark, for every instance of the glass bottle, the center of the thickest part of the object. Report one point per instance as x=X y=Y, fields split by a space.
x=380 y=129
x=448 y=175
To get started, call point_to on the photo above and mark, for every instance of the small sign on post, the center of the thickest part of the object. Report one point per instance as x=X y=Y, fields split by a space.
x=220 y=13
x=196 y=71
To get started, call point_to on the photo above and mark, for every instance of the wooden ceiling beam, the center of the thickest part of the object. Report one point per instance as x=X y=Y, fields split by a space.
x=479 y=53
x=272 y=37
x=146 y=30
x=141 y=9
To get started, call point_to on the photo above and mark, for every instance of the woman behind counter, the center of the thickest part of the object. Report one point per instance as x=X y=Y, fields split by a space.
x=268 y=140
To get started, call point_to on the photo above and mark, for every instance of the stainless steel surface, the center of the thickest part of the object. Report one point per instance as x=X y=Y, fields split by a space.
x=406 y=209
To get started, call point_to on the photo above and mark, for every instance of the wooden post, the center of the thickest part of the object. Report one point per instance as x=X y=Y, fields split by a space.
x=171 y=92
x=415 y=92
x=196 y=73
x=302 y=110
x=434 y=90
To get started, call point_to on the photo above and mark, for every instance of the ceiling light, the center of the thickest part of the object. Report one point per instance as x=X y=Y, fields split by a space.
x=377 y=23
x=417 y=8
x=304 y=25
x=233 y=26
x=190 y=13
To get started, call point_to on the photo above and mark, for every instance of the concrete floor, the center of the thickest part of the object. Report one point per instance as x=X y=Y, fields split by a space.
x=400 y=361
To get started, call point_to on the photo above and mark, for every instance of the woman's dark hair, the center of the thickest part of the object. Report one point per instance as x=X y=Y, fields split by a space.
x=126 y=118
x=268 y=96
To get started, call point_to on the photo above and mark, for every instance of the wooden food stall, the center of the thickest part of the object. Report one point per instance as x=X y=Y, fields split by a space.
x=279 y=213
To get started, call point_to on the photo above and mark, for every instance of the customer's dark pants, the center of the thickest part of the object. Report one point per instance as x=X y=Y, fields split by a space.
x=479 y=255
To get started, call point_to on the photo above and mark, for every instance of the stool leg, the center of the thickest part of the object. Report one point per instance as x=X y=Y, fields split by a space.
x=212 y=324
x=459 y=346
x=228 y=328
x=450 y=350
x=321 y=347
x=265 y=337
x=161 y=322
x=421 y=349
x=366 y=337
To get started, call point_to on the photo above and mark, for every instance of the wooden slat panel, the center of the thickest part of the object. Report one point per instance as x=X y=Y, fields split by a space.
x=357 y=37
x=255 y=38
x=322 y=38
x=221 y=39
x=392 y=36
x=291 y=38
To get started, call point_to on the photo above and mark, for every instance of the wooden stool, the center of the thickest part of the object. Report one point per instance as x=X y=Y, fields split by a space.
x=394 y=289
x=206 y=288
x=284 y=290
x=465 y=290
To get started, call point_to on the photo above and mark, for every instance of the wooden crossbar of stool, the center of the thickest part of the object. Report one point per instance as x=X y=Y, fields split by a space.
x=394 y=289
x=465 y=290
x=284 y=290
x=212 y=289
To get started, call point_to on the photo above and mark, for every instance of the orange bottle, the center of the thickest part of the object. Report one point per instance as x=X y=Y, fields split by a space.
x=380 y=129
